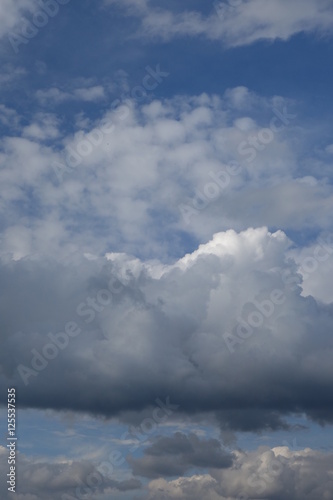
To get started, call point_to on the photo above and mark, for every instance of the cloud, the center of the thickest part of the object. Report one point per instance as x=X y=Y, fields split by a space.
x=8 y=117
x=277 y=473
x=38 y=479
x=10 y=73
x=316 y=268
x=44 y=126
x=163 y=334
x=173 y=456
x=11 y=13
x=204 y=166
x=117 y=213
x=234 y=23
x=165 y=262
x=56 y=95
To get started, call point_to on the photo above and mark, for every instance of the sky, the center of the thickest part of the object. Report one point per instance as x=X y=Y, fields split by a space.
x=166 y=249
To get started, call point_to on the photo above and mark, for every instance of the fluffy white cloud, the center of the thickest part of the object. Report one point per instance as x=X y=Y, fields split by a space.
x=192 y=166
x=316 y=268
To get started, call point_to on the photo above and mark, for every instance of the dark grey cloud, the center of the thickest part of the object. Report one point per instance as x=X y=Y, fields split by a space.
x=174 y=456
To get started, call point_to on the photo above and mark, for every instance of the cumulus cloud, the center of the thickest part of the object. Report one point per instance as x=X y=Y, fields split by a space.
x=204 y=166
x=230 y=331
x=316 y=269
x=277 y=473
x=165 y=262
x=220 y=332
x=236 y=23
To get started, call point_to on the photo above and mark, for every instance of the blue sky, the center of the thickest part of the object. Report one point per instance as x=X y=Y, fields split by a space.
x=167 y=239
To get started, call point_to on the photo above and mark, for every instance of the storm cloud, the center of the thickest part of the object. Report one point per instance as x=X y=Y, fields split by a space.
x=223 y=331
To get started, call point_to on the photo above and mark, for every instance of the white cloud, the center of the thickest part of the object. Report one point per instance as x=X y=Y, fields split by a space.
x=43 y=126
x=87 y=94
x=10 y=73
x=11 y=13
x=8 y=117
x=236 y=23
x=315 y=265
x=167 y=163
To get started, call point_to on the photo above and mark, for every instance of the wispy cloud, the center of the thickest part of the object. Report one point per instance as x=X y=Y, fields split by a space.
x=234 y=23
